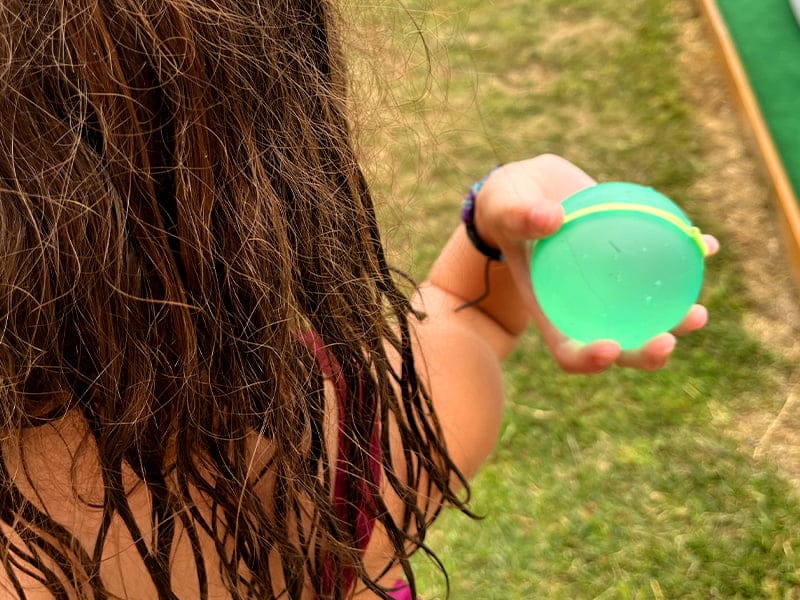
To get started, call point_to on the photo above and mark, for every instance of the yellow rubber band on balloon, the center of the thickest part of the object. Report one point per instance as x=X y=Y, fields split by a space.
x=691 y=231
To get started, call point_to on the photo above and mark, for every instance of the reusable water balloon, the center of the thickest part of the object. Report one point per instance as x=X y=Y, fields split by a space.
x=627 y=264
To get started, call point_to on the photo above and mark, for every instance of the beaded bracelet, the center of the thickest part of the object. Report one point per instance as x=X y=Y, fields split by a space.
x=468 y=218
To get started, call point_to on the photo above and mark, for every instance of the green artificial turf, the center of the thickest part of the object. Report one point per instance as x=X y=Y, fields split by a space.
x=767 y=39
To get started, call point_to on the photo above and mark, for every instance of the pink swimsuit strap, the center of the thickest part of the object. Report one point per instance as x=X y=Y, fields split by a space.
x=360 y=514
x=345 y=485
x=401 y=591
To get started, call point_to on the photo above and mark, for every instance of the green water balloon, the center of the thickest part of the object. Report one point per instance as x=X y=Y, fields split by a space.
x=627 y=264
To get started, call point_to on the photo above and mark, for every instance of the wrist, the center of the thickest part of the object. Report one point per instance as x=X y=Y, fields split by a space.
x=469 y=208
x=480 y=285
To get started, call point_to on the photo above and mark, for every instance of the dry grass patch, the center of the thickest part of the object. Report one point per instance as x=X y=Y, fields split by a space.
x=740 y=199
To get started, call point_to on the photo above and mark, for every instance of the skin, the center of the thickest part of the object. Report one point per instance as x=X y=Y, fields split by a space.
x=520 y=202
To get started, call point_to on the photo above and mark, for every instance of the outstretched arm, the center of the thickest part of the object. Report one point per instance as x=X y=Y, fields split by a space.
x=460 y=348
x=459 y=352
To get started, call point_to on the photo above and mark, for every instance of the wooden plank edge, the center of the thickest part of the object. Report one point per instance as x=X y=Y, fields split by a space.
x=784 y=193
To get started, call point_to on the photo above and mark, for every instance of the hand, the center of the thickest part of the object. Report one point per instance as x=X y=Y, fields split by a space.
x=521 y=202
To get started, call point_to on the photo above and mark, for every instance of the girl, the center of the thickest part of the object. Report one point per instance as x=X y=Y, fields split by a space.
x=211 y=384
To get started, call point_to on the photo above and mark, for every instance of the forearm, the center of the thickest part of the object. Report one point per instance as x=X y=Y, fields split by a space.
x=458 y=277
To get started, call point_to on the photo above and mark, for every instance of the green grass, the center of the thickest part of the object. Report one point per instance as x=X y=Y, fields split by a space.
x=627 y=484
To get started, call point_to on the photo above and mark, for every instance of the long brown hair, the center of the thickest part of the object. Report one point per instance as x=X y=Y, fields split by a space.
x=179 y=202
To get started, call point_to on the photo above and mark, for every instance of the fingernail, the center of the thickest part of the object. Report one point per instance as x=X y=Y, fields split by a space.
x=702 y=310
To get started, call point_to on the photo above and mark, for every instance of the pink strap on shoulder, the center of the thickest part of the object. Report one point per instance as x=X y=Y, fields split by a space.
x=401 y=591
x=344 y=482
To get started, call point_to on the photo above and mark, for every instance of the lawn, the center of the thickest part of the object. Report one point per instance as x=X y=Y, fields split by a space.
x=627 y=484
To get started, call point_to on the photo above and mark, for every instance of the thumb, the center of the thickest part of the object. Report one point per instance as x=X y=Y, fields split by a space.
x=522 y=228
x=535 y=222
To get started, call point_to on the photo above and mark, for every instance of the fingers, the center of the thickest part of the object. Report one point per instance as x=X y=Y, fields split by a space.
x=518 y=202
x=655 y=354
x=652 y=356
x=599 y=356
x=711 y=243
x=527 y=220
x=695 y=319
x=596 y=357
